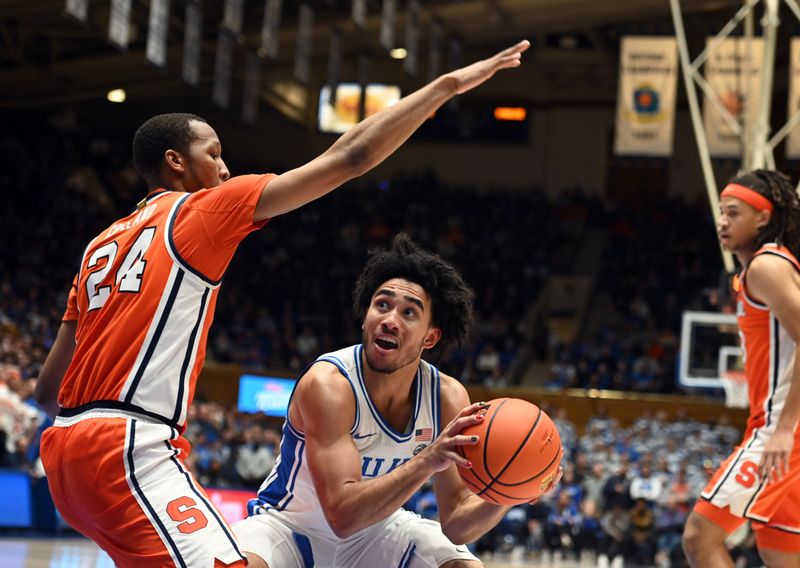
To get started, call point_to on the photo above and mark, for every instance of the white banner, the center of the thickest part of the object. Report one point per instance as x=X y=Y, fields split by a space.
x=413 y=17
x=78 y=9
x=302 y=49
x=252 y=87
x=733 y=73
x=388 y=17
x=221 y=89
x=233 y=16
x=359 y=13
x=270 y=28
x=192 y=43
x=793 y=139
x=648 y=82
x=119 y=23
x=157 y=33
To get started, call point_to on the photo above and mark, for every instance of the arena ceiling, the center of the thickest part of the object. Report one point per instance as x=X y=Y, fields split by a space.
x=47 y=57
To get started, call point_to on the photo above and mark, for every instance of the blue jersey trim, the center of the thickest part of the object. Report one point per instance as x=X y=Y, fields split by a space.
x=279 y=492
x=391 y=432
x=333 y=360
x=304 y=547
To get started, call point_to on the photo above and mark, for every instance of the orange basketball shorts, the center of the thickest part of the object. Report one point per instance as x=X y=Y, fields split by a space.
x=119 y=479
x=737 y=492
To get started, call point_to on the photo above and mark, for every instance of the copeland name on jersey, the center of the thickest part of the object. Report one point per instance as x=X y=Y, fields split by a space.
x=289 y=490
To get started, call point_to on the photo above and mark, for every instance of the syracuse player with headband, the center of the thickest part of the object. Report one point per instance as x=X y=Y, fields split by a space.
x=760 y=480
x=122 y=371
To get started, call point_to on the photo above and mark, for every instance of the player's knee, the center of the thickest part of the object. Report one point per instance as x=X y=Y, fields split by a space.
x=255 y=561
x=776 y=559
x=693 y=539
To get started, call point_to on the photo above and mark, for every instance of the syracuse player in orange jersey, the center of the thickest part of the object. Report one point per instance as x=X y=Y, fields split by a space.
x=122 y=371
x=760 y=481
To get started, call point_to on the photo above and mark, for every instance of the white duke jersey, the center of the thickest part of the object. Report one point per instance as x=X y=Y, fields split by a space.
x=288 y=492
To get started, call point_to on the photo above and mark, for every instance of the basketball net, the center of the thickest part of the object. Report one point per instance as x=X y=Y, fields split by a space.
x=735 y=385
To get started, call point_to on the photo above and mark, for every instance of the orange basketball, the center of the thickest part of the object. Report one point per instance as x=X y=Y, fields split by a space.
x=518 y=453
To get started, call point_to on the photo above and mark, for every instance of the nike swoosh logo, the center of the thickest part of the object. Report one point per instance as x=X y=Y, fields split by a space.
x=364 y=436
x=462 y=549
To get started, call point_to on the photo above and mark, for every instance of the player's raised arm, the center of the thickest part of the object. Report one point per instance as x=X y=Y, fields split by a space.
x=371 y=141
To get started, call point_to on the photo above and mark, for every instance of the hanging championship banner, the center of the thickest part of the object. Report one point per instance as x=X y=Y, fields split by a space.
x=793 y=139
x=359 y=13
x=192 y=43
x=413 y=16
x=302 y=50
x=221 y=90
x=435 y=53
x=334 y=63
x=252 y=86
x=156 y=52
x=233 y=16
x=270 y=27
x=733 y=72
x=388 y=17
x=78 y=9
x=119 y=23
x=648 y=82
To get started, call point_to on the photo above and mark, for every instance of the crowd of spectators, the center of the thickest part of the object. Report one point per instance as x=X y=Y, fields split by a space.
x=625 y=494
x=659 y=260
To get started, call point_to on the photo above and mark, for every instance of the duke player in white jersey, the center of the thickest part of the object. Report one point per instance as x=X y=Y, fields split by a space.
x=367 y=426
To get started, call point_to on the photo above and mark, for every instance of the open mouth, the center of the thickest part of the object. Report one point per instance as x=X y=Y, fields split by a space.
x=386 y=342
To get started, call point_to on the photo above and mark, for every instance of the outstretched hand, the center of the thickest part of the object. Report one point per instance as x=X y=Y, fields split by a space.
x=473 y=75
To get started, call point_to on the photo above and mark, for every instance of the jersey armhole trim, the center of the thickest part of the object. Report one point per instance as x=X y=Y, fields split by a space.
x=173 y=249
x=339 y=365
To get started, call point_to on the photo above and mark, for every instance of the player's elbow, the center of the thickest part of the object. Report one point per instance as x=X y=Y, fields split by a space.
x=455 y=535
x=340 y=523
x=41 y=394
x=356 y=158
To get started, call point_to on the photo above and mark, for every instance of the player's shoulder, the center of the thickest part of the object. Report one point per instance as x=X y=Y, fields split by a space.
x=768 y=265
x=453 y=394
x=324 y=380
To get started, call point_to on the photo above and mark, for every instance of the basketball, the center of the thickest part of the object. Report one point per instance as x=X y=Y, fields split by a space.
x=518 y=453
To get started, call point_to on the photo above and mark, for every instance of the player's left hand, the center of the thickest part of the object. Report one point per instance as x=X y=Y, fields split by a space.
x=552 y=487
x=473 y=75
x=775 y=460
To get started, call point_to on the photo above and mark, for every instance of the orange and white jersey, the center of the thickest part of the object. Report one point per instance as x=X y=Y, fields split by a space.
x=769 y=352
x=144 y=299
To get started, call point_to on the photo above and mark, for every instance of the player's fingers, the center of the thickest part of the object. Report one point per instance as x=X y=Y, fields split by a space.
x=459 y=424
x=471 y=409
x=518 y=47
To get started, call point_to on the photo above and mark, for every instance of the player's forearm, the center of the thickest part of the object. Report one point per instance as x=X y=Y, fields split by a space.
x=360 y=504
x=55 y=365
x=473 y=518
x=372 y=140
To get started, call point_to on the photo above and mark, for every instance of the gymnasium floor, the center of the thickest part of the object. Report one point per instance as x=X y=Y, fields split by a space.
x=75 y=552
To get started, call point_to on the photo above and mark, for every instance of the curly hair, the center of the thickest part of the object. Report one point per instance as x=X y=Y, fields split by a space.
x=451 y=298
x=157 y=135
x=784 y=224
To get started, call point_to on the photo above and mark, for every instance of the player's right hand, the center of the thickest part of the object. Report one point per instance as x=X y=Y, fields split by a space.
x=442 y=451
x=479 y=72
